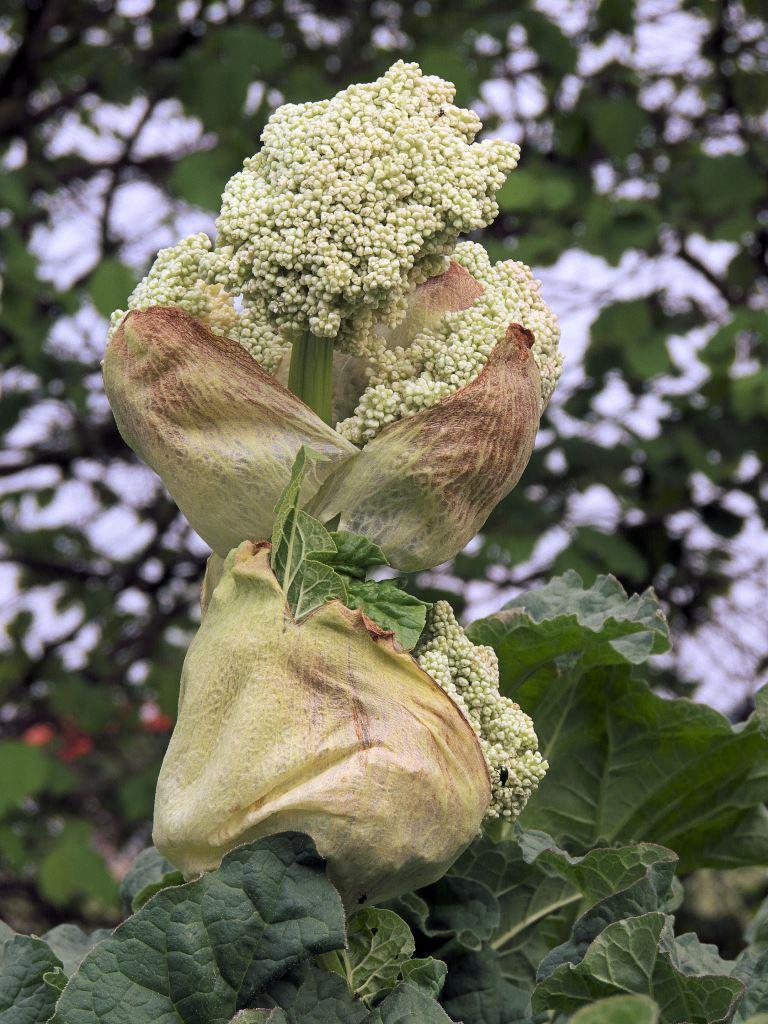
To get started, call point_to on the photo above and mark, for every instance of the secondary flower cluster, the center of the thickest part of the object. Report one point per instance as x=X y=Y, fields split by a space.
x=469 y=674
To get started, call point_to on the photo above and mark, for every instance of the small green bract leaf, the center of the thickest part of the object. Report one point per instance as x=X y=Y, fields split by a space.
x=297 y=540
x=390 y=607
x=354 y=554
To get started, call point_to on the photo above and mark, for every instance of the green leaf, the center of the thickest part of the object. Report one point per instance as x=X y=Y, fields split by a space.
x=24 y=771
x=203 y=950
x=379 y=942
x=391 y=608
x=354 y=554
x=619 y=1010
x=540 y=890
x=622 y=759
x=56 y=979
x=562 y=620
x=627 y=765
x=297 y=540
x=751 y=968
x=25 y=997
x=275 y=1016
x=426 y=973
x=149 y=871
x=632 y=957
x=70 y=944
x=408 y=1003
x=312 y=995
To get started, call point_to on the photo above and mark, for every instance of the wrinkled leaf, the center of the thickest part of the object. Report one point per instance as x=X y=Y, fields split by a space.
x=70 y=944
x=630 y=957
x=619 y=1010
x=25 y=998
x=563 y=621
x=541 y=890
x=202 y=950
x=354 y=555
x=379 y=942
x=621 y=764
x=426 y=973
x=391 y=608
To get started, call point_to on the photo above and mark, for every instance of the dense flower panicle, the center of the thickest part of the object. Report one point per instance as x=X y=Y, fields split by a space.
x=178 y=278
x=451 y=353
x=353 y=200
x=469 y=674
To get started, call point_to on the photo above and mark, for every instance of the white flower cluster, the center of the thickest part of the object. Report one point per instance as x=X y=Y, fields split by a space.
x=353 y=200
x=178 y=278
x=469 y=674
x=451 y=353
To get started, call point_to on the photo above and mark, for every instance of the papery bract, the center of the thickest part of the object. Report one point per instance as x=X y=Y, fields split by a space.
x=324 y=726
x=223 y=434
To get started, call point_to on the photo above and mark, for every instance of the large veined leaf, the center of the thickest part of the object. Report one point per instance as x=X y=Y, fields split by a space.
x=566 y=623
x=541 y=891
x=313 y=995
x=634 y=956
x=201 y=951
x=622 y=759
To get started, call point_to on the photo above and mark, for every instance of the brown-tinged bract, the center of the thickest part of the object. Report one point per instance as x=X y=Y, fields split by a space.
x=325 y=726
x=223 y=435
x=425 y=485
x=220 y=431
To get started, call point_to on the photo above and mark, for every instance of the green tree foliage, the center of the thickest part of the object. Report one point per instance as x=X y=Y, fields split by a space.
x=119 y=124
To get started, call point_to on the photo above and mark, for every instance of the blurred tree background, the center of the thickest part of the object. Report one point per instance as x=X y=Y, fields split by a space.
x=641 y=200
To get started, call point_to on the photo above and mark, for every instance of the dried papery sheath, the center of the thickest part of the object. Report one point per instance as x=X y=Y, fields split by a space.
x=223 y=435
x=220 y=432
x=324 y=726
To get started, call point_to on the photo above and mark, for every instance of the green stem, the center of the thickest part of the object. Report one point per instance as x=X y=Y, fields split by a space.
x=310 y=376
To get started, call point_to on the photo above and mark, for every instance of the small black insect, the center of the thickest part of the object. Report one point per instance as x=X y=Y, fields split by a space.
x=441 y=112
x=363 y=898
x=503 y=775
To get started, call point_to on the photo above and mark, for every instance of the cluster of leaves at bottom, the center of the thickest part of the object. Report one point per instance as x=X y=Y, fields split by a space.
x=568 y=916
x=245 y=941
